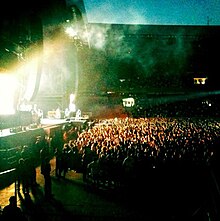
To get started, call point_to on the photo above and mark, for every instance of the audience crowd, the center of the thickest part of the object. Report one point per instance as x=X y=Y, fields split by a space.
x=124 y=148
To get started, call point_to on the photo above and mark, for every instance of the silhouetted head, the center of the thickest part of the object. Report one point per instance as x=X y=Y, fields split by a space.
x=12 y=200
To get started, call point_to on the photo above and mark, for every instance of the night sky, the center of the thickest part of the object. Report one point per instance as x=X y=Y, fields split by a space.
x=169 y=12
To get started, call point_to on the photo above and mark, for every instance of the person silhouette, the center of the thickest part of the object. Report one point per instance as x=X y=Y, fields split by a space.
x=45 y=171
x=12 y=211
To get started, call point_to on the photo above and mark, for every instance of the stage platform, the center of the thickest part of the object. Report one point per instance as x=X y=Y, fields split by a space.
x=54 y=121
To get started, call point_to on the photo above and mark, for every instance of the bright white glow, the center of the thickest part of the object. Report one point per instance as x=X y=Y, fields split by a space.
x=31 y=78
x=8 y=86
x=85 y=36
x=72 y=106
x=72 y=97
x=199 y=80
x=71 y=32
x=97 y=36
x=122 y=80
x=47 y=121
x=128 y=102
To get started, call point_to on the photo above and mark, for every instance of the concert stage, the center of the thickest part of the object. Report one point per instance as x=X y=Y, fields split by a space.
x=54 y=121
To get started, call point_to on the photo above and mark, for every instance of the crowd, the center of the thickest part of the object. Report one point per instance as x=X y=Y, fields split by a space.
x=117 y=152
x=126 y=148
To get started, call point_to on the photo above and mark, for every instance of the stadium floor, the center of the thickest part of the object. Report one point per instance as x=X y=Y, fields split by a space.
x=173 y=198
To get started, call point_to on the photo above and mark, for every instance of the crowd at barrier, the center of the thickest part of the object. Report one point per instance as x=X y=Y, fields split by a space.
x=116 y=150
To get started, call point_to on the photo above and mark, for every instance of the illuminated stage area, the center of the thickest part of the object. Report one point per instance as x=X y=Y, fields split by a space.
x=49 y=121
x=13 y=140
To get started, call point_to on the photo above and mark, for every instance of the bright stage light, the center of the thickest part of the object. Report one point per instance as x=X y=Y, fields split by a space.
x=72 y=106
x=71 y=32
x=8 y=86
x=128 y=102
